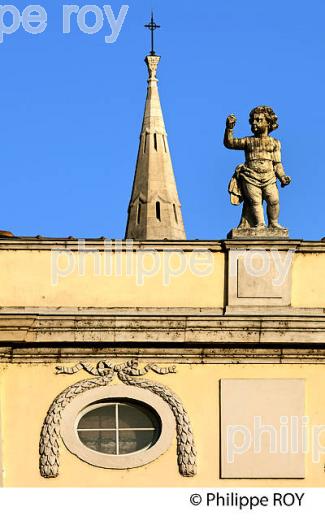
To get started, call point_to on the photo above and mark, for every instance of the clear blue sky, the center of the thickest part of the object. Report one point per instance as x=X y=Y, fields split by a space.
x=71 y=111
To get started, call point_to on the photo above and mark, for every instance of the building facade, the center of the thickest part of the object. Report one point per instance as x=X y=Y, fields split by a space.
x=159 y=361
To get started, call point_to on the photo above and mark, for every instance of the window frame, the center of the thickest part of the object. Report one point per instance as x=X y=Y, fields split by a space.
x=74 y=410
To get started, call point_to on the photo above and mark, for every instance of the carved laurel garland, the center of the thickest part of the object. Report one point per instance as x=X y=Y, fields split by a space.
x=49 y=461
x=126 y=372
x=186 y=451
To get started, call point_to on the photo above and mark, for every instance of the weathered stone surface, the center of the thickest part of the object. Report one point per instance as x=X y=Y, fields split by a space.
x=154 y=210
x=233 y=327
x=258 y=277
x=255 y=180
x=253 y=233
x=188 y=355
x=6 y=234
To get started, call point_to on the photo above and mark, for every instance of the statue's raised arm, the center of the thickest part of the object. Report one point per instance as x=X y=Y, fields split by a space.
x=229 y=140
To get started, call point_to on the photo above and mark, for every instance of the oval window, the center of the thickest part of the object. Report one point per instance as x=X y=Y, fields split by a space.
x=119 y=428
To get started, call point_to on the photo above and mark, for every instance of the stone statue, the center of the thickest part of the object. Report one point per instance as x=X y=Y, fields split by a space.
x=255 y=180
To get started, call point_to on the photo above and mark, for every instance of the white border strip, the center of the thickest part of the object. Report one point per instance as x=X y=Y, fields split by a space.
x=144 y=503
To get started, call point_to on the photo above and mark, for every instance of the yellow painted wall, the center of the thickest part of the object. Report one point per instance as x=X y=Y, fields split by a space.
x=28 y=390
x=308 y=280
x=30 y=278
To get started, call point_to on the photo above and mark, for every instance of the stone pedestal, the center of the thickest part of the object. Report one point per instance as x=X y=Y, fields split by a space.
x=253 y=233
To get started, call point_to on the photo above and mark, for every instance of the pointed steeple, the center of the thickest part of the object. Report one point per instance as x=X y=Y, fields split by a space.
x=154 y=210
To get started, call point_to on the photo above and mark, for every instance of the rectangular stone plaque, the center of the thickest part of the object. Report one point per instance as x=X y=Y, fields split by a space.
x=258 y=277
x=262 y=432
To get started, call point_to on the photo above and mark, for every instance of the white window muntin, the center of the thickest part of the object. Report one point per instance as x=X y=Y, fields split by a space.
x=117 y=429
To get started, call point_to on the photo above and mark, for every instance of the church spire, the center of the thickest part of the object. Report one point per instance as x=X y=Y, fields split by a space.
x=154 y=210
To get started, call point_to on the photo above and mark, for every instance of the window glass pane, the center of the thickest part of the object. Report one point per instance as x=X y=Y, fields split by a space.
x=131 y=441
x=137 y=427
x=104 y=442
x=135 y=416
x=103 y=417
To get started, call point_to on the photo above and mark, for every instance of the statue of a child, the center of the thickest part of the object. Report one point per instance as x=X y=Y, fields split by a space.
x=255 y=180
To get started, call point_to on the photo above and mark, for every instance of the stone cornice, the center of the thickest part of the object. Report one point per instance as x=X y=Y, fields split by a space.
x=190 y=355
x=104 y=244
x=179 y=326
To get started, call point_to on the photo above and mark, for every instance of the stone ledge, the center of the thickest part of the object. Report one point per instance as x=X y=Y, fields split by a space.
x=73 y=244
x=188 y=355
x=164 y=312
x=163 y=328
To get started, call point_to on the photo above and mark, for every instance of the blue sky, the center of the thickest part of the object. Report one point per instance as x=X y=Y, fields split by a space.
x=72 y=106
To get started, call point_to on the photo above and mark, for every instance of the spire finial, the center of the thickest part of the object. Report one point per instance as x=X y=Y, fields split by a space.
x=152 y=26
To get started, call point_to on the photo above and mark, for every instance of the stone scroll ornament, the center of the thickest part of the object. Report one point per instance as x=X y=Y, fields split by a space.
x=127 y=373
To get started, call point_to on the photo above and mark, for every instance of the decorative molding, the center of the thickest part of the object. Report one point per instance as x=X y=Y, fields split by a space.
x=152 y=63
x=105 y=368
x=237 y=326
x=166 y=354
x=100 y=244
x=105 y=243
x=49 y=461
x=88 y=400
x=126 y=372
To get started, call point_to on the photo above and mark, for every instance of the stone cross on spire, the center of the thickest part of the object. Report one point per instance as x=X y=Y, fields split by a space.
x=154 y=209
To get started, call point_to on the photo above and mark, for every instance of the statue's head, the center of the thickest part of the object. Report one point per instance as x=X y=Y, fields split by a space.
x=263 y=117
